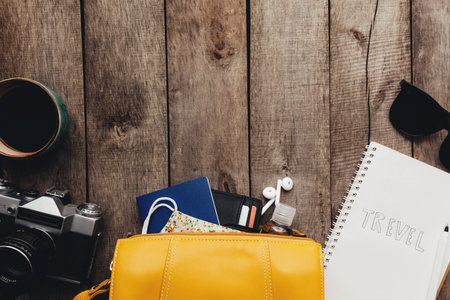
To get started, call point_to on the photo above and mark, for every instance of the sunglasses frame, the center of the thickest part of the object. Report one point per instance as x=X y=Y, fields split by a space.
x=440 y=112
x=434 y=105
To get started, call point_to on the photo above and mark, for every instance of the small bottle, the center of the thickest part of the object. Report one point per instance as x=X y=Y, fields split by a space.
x=281 y=221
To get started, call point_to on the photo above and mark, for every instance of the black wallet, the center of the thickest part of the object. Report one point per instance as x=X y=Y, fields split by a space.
x=238 y=211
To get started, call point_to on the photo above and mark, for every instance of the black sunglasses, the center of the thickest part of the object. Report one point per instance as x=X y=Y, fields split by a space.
x=415 y=113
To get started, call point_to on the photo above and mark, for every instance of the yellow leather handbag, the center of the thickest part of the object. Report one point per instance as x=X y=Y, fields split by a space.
x=205 y=266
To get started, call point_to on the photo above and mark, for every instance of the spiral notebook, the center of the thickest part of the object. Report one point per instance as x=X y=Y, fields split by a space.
x=384 y=241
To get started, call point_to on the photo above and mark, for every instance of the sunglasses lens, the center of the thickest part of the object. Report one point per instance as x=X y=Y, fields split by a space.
x=444 y=153
x=415 y=113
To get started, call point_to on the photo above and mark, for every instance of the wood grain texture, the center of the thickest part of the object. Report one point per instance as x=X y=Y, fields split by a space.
x=431 y=66
x=431 y=72
x=42 y=41
x=126 y=112
x=370 y=55
x=314 y=100
x=207 y=58
x=289 y=107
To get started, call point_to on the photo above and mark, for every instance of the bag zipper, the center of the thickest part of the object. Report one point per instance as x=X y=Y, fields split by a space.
x=246 y=234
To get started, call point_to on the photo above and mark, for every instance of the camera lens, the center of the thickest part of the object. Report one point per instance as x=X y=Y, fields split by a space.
x=23 y=255
x=14 y=265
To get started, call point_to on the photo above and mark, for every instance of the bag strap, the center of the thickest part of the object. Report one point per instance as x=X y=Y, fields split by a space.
x=104 y=286
x=98 y=289
x=154 y=207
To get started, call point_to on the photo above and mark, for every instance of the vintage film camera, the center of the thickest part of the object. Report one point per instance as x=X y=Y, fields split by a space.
x=45 y=236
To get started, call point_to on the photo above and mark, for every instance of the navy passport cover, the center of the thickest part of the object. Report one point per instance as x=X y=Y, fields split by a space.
x=192 y=197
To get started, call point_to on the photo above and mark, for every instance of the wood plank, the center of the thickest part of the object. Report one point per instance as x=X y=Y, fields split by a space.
x=431 y=72
x=370 y=54
x=431 y=66
x=42 y=41
x=289 y=106
x=126 y=112
x=206 y=52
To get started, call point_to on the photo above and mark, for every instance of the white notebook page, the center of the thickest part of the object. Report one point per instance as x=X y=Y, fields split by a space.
x=386 y=246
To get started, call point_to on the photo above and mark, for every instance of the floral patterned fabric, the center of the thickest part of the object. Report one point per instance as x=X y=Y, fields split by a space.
x=179 y=222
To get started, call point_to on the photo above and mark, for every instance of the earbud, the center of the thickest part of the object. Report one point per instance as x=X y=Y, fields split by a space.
x=287 y=184
x=269 y=193
x=273 y=195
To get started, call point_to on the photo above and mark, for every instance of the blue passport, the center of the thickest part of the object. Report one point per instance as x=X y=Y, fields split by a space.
x=193 y=198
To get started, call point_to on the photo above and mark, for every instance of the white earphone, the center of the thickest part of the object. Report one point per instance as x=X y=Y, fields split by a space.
x=273 y=195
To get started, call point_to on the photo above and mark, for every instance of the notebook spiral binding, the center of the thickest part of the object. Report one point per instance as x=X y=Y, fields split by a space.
x=347 y=204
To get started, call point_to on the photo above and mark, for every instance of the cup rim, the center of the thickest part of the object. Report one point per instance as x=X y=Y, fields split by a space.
x=5 y=149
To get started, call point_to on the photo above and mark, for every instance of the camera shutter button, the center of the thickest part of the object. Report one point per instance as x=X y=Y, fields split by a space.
x=89 y=210
x=30 y=195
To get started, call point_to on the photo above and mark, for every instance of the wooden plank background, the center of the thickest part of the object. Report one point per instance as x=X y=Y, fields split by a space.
x=241 y=91
x=125 y=75
x=207 y=84
x=289 y=106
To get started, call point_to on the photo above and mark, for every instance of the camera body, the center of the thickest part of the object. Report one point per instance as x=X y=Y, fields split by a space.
x=45 y=236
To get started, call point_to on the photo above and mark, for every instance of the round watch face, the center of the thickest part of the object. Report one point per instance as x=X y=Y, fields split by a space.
x=278 y=229
x=89 y=210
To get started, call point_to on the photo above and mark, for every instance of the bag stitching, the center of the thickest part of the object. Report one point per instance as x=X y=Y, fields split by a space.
x=264 y=267
x=165 y=268
x=269 y=271
x=114 y=269
x=321 y=271
x=302 y=243
x=221 y=240
x=171 y=266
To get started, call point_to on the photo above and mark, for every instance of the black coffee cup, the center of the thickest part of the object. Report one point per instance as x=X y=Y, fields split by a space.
x=33 y=118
